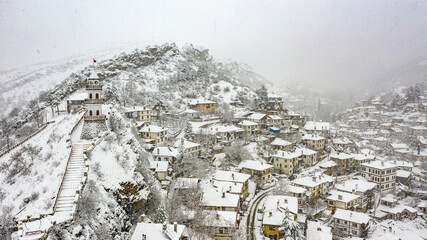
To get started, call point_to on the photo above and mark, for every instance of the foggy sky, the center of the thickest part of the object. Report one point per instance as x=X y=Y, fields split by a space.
x=327 y=44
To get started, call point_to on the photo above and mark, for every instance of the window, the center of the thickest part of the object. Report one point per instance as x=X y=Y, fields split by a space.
x=272 y=228
x=90 y=95
x=97 y=96
x=97 y=112
x=355 y=225
x=90 y=113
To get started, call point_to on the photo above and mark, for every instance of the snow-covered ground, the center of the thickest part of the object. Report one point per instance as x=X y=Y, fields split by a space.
x=34 y=192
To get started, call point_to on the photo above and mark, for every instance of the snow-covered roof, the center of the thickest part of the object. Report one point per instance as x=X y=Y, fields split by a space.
x=396 y=209
x=295 y=189
x=419 y=128
x=93 y=75
x=254 y=165
x=159 y=166
x=274 y=202
x=356 y=185
x=274 y=117
x=341 y=141
x=155 y=231
x=306 y=182
x=403 y=173
x=224 y=128
x=247 y=123
x=342 y=196
x=273 y=217
x=305 y=151
x=230 y=187
x=152 y=128
x=317 y=231
x=312 y=137
x=272 y=95
x=165 y=152
x=220 y=218
x=351 y=216
x=199 y=101
x=341 y=156
x=280 y=142
x=230 y=176
x=136 y=109
x=361 y=157
x=399 y=145
x=403 y=163
x=286 y=154
x=257 y=116
x=379 y=164
x=327 y=164
x=319 y=126
x=185 y=144
x=215 y=197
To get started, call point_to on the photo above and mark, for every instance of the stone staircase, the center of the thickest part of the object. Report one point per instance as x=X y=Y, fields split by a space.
x=74 y=178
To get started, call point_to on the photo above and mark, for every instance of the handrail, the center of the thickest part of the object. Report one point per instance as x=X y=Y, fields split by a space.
x=68 y=161
x=23 y=141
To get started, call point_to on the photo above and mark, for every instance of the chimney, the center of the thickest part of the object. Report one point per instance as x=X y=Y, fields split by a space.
x=278 y=202
x=144 y=237
x=286 y=200
x=232 y=175
x=164 y=226
x=175 y=227
x=340 y=198
x=319 y=229
x=270 y=214
x=223 y=195
x=230 y=188
x=143 y=218
x=351 y=214
x=158 y=151
x=314 y=179
x=356 y=186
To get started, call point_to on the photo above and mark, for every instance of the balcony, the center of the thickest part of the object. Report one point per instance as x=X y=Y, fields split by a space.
x=94 y=101
x=95 y=118
x=93 y=87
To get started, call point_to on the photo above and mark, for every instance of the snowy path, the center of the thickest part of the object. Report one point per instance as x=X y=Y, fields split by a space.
x=72 y=183
x=74 y=178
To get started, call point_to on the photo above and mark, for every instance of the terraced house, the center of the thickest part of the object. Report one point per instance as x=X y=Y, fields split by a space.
x=259 y=171
x=285 y=161
x=314 y=142
x=364 y=189
x=154 y=134
x=344 y=161
x=382 y=173
x=203 y=106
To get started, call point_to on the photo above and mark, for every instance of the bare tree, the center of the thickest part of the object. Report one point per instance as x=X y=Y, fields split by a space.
x=6 y=130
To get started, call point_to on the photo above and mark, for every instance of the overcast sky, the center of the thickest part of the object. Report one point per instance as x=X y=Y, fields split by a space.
x=327 y=44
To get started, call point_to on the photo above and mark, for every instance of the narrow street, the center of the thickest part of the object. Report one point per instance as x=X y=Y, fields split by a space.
x=250 y=221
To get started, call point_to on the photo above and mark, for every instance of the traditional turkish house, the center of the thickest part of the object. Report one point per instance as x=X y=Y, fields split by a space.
x=274 y=213
x=350 y=224
x=141 y=114
x=365 y=191
x=259 y=171
x=154 y=134
x=203 y=106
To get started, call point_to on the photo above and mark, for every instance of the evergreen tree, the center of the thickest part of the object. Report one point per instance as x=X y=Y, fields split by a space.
x=290 y=229
x=188 y=131
x=262 y=98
